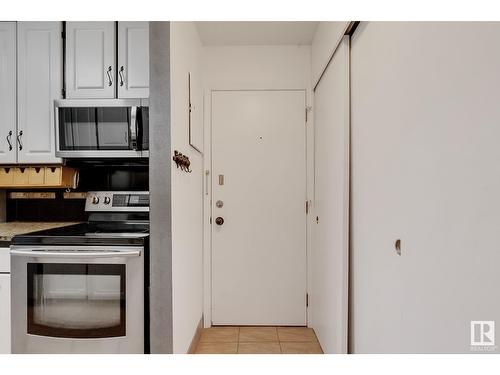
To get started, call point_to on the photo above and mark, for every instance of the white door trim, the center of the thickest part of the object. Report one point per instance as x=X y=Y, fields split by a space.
x=207 y=194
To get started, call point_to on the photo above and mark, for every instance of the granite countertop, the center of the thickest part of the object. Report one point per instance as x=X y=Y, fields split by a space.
x=10 y=229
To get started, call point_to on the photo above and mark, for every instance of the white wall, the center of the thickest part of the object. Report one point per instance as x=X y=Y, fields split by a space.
x=257 y=67
x=425 y=169
x=327 y=37
x=187 y=299
x=254 y=67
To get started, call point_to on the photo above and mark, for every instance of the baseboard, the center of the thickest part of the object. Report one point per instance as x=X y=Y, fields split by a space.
x=196 y=337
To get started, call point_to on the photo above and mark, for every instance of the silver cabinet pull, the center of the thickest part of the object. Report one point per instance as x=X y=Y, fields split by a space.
x=121 y=75
x=19 y=140
x=9 y=136
x=109 y=75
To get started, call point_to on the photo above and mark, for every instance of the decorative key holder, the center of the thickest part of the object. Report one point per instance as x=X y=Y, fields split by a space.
x=182 y=161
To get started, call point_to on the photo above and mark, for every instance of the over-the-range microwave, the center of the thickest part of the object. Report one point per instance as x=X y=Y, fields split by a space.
x=102 y=128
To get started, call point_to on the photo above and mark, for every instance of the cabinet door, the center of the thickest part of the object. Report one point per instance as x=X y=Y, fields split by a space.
x=4 y=313
x=7 y=92
x=39 y=69
x=90 y=60
x=133 y=59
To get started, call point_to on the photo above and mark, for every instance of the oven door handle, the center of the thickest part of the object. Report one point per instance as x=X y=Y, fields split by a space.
x=36 y=253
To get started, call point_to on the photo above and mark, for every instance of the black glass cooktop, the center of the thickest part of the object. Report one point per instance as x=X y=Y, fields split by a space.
x=91 y=233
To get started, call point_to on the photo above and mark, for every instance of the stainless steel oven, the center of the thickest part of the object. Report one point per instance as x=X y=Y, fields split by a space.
x=102 y=128
x=84 y=288
x=75 y=299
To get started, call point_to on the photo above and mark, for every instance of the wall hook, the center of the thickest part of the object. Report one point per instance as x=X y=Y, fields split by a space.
x=182 y=161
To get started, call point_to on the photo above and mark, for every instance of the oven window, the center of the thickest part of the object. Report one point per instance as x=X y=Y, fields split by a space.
x=76 y=300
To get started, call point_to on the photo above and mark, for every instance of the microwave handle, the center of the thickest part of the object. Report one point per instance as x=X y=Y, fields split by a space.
x=133 y=126
x=74 y=254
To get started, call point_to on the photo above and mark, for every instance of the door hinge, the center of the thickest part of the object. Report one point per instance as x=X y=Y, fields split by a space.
x=63 y=93
x=308 y=108
x=307 y=207
x=63 y=35
x=307 y=299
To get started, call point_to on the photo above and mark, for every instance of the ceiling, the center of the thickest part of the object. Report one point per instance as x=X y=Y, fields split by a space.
x=256 y=32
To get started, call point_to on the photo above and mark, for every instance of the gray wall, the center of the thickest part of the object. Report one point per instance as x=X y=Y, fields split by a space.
x=160 y=189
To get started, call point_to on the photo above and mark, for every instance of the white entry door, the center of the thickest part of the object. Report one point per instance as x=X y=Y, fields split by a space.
x=259 y=191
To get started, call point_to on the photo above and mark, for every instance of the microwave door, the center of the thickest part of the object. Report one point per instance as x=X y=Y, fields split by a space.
x=113 y=128
x=77 y=129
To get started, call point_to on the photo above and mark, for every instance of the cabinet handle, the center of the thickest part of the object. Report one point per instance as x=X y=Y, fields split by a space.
x=19 y=140
x=121 y=75
x=109 y=75
x=9 y=136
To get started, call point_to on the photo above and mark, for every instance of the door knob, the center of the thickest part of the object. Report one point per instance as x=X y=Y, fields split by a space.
x=219 y=221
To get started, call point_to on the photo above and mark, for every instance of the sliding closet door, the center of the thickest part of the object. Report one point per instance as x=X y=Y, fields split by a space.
x=328 y=296
x=378 y=194
x=425 y=127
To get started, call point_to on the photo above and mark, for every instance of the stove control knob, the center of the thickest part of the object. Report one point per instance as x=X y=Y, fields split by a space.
x=95 y=200
x=107 y=200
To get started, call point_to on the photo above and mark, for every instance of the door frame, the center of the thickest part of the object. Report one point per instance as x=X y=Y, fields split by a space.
x=207 y=190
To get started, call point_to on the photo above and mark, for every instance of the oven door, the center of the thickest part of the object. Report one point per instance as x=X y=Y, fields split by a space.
x=99 y=128
x=69 y=299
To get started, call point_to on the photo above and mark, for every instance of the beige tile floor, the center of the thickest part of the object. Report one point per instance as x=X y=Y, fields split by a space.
x=258 y=340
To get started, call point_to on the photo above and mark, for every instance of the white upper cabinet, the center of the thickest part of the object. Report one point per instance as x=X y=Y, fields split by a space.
x=7 y=92
x=27 y=96
x=39 y=69
x=90 y=60
x=133 y=60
